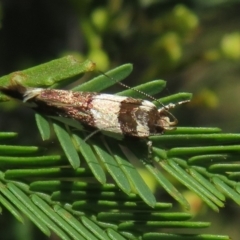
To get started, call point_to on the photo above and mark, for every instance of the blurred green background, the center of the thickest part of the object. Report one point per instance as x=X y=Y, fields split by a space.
x=194 y=45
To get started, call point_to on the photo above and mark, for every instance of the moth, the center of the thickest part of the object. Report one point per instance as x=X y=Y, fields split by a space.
x=105 y=112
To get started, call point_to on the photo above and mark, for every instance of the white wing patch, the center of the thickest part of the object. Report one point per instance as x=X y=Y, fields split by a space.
x=105 y=111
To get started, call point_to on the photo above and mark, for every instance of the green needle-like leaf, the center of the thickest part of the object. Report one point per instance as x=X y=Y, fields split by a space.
x=67 y=145
x=103 y=81
x=43 y=126
x=90 y=158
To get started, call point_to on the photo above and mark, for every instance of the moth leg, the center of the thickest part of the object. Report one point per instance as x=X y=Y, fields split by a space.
x=91 y=134
x=149 y=145
x=97 y=131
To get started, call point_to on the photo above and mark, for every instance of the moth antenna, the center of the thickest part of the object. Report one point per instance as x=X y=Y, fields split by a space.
x=134 y=89
x=175 y=121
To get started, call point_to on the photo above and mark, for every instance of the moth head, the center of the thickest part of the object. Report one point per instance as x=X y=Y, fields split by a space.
x=166 y=120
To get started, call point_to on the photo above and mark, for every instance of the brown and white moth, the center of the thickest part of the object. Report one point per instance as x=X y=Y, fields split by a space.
x=105 y=112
